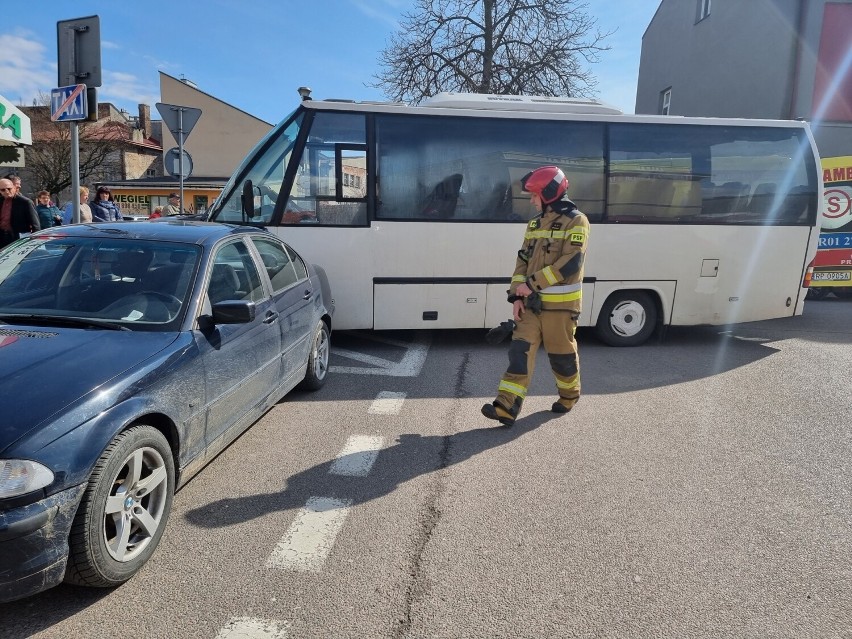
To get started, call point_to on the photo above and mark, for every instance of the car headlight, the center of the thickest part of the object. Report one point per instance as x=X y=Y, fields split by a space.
x=21 y=476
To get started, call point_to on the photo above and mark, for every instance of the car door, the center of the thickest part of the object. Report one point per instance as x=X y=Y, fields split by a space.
x=293 y=298
x=241 y=361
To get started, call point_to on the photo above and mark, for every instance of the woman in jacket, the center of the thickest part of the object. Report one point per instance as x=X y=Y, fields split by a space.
x=85 y=210
x=103 y=208
x=48 y=214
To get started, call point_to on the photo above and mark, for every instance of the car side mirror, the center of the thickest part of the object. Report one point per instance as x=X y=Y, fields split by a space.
x=248 y=199
x=233 y=312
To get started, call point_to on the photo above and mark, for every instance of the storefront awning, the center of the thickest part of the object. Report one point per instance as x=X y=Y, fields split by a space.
x=14 y=125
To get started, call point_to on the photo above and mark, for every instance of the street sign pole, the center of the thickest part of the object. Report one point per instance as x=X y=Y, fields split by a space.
x=75 y=172
x=180 y=120
x=180 y=158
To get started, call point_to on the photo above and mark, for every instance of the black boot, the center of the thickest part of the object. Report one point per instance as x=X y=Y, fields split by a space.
x=497 y=412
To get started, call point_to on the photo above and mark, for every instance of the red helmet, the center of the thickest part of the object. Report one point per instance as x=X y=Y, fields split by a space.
x=548 y=182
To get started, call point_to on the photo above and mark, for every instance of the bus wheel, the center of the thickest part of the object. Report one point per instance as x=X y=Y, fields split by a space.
x=818 y=293
x=627 y=319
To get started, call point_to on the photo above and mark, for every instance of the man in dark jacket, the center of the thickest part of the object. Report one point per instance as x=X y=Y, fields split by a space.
x=17 y=214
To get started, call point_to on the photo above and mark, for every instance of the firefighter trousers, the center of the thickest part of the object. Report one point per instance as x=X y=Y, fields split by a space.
x=556 y=330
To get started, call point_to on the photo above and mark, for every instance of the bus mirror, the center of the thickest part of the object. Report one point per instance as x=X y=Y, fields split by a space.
x=248 y=199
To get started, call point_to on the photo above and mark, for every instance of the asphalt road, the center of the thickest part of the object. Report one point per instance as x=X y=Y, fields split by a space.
x=701 y=488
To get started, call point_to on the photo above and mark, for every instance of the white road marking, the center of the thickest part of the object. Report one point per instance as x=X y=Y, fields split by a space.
x=387 y=403
x=408 y=366
x=250 y=628
x=357 y=457
x=311 y=535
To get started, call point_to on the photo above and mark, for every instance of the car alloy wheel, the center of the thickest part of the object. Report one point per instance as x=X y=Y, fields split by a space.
x=124 y=509
x=317 y=369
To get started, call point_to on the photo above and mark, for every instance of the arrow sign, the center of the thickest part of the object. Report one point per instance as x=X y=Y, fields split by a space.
x=69 y=103
x=178 y=119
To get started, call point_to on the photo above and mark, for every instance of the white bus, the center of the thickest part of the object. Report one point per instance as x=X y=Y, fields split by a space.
x=416 y=212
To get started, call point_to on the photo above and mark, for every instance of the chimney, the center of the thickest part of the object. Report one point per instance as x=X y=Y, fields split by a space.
x=145 y=120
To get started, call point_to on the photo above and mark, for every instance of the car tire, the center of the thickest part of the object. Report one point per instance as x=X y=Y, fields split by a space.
x=628 y=318
x=124 y=509
x=317 y=370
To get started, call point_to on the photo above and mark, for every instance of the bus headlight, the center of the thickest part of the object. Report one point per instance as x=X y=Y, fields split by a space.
x=21 y=476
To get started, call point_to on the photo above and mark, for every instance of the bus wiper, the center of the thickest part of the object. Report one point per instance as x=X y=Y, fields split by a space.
x=63 y=320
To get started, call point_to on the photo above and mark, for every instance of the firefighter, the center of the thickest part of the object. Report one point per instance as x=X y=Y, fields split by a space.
x=545 y=294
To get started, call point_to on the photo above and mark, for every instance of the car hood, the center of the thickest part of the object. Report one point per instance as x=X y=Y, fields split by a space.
x=45 y=369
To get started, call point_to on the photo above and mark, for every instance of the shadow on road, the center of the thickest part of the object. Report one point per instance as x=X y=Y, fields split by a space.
x=413 y=455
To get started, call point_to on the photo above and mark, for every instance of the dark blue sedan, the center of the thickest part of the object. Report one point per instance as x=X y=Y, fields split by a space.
x=130 y=355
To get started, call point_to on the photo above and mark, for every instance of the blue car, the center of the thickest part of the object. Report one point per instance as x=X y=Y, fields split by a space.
x=130 y=355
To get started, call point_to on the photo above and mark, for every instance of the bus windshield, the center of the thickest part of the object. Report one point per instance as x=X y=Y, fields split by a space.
x=272 y=156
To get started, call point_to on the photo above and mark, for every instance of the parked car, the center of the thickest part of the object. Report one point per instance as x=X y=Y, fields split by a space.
x=130 y=355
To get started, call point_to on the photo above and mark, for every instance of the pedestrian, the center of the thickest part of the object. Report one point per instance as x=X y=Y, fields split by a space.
x=85 y=210
x=103 y=208
x=546 y=294
x=48 y=215
x=173 y=207
x=17 y=214
x=16 y=182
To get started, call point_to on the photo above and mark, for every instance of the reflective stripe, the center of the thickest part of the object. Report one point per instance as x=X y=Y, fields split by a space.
x=565 y=288
x=566 y=297
x=514 y=389
x=519 y=278
x=549 y=275
x=567 y=385
x=540 y=234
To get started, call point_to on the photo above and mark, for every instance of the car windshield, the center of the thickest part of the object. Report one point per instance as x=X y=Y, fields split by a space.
x=131 y=283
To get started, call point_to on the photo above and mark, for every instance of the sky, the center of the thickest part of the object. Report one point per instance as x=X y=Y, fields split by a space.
x=255 y=54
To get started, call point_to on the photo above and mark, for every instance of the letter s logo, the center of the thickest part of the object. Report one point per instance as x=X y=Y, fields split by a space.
x=837 y=209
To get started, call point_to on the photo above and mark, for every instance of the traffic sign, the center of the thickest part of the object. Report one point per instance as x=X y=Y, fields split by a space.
x=78 y=48
x=178 y=119
x=171 y=162
x=69 y=103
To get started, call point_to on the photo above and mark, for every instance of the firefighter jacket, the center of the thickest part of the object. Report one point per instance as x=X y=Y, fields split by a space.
x=551 y=258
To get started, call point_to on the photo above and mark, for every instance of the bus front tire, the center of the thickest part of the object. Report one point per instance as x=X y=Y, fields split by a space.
x=628 y=318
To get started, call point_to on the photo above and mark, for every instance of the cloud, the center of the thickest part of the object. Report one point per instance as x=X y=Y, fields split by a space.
x=127 y=91
x=106 y=44
x=24 y=71
x=389 y=16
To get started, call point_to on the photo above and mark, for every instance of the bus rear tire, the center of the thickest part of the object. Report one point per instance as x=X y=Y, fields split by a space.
x=628 y=318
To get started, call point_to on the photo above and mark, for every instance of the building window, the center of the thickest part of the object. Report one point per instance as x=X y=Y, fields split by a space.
x=151 y=172
x=703 y=9
x=666 y=101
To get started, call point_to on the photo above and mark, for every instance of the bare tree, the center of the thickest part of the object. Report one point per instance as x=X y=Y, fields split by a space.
x=523 y=47
x=49 y=157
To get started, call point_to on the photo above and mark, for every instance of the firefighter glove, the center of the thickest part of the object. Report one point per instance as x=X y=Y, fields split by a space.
x=533 y=303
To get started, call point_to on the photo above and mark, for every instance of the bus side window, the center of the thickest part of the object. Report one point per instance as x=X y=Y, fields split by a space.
x=330 y=185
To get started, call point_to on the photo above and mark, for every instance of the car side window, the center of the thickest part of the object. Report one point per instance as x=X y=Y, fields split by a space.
x=278 y=264
x=234 y=275
x=301 y=269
